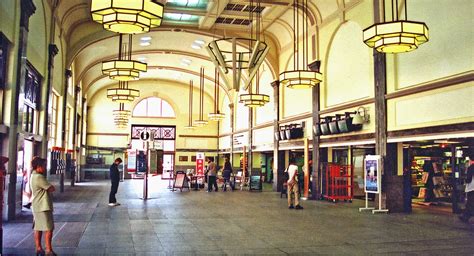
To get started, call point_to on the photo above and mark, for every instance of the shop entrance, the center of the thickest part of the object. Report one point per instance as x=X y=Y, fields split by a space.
x=437 y=172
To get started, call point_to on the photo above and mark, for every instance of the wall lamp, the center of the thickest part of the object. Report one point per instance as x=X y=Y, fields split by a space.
x=361 y=116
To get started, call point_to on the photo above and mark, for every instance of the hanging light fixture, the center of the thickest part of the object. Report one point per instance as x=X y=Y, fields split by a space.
x=121 y=116
x=190 y=125
x=127 y=16
x=216 y=115
x=254 y=99
x=122 y=93
x=230 y=58
x=396 y=36
x=124 y=68
x=201 y=122
x=300 y=78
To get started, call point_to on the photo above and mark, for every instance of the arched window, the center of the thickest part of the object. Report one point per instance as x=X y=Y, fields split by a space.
x=153 y=107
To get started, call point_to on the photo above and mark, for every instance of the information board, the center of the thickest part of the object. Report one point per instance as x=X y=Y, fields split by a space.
x=142 y=163
x=255 y=183
x=132 y=161
x=372 y=176
x=181 y=180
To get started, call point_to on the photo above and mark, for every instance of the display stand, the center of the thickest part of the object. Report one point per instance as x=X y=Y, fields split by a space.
x=181 y=181
x=373 y=182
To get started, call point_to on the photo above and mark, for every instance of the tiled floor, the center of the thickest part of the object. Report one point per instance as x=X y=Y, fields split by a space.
x=231 y=223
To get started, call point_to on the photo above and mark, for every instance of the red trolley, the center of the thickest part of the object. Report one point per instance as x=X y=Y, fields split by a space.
x=339 y=182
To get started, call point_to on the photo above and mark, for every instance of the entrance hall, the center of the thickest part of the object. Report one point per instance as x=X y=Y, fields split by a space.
x=230 y=223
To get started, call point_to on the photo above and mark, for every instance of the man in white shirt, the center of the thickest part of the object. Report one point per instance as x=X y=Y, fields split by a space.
x=469 y=211
x=292 y=186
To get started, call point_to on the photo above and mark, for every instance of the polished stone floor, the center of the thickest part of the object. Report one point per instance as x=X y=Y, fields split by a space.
x=231 y=223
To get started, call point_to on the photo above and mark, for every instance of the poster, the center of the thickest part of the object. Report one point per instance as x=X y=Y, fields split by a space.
x=200 y=164
x=372 y=174
x=132 y=161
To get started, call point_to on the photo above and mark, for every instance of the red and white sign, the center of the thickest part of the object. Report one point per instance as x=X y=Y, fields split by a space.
x=132 y=160
x=200 y=164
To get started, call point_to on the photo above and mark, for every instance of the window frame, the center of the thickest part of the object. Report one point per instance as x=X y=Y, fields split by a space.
x=147 y=111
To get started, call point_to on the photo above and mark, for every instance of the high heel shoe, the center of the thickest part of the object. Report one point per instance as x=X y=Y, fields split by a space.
x=51 y=253
x=39 y=253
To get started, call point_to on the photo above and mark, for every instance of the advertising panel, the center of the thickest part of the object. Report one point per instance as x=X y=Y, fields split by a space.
x=372 y=176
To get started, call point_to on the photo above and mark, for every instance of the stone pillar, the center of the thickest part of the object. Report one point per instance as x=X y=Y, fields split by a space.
x=52 y=50
x=278 y=161
x=27 y=9
x=68 y=74
x=77 y=90
x=315 y=173
x=231 y=112
x=250 y=143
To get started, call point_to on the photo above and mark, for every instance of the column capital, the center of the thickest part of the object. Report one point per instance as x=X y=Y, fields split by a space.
x=68 y=73
x=77 y=89
x=53 y=50
x=275 y=83
x=28 y=8
x=231 y=106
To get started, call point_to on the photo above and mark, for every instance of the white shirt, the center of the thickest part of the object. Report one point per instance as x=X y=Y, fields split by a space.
x=470 y=185
x=292 y=170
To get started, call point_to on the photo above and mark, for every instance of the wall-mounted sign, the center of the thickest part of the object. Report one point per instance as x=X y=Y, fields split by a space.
x=240 y=140
x=372 y=174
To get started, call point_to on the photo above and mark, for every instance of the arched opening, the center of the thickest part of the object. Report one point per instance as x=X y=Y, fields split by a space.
x=153 y=107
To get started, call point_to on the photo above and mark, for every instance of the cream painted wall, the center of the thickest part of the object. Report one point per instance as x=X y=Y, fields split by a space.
x=9 y=14
x=37 y=50
x=101 y=119
x=448 y=51
x=263 y=136
x=438 y=107
x=349 y=73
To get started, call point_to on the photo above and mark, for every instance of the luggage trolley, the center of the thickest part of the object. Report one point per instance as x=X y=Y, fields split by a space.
x=339 y=182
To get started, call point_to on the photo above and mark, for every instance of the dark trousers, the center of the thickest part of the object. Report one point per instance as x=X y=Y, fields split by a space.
x=113 y=191
x=227 y=181
x=212 y=182
x=469 y=212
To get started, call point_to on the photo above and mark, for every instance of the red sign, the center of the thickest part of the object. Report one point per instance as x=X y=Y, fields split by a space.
x=200 y=164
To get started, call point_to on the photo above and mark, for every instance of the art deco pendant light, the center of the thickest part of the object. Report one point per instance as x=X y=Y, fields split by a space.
x=190 y=125
x=230 y=58
x=121 y=116
x=396 y=36
x=216 y=115
x=254 y=98
x=127 y=16
x=124 y=68
x=301 y=77
x=201 y=122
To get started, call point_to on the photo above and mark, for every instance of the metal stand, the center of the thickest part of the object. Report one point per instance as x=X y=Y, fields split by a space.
x=366 y=208
x=380 y=210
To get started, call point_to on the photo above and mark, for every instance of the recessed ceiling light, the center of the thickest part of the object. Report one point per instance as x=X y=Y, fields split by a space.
x=196 y=46
x=145 y=38
x=146 y=43
x=199 y=41
x=186 y=62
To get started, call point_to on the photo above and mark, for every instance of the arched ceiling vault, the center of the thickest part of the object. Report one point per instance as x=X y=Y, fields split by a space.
x=88 y=44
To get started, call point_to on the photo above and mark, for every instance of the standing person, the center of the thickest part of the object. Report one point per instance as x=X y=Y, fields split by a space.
x=114 y=178
x=42 y=205
x=292 y=186
x=226 y=174
x=212 y=174
x=469 y=211
x=3 y=173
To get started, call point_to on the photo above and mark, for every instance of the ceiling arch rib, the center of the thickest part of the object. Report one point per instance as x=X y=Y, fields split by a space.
x=181 y=70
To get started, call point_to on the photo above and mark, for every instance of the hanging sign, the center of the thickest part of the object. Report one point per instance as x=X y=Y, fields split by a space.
x=144 y=135
x=200 y=164
x=372 y=175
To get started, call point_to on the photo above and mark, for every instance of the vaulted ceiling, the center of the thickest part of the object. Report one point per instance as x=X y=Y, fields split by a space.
x=171 y=54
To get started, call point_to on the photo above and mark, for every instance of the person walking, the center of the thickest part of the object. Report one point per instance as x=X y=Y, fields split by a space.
x=114 y=179
x=226 y=174
x=212 y=174
x=292 y=186
x=469 y=211
x=42 y=206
